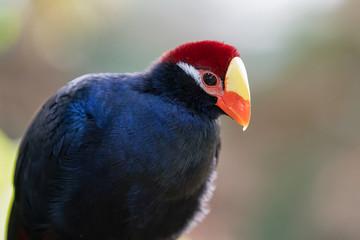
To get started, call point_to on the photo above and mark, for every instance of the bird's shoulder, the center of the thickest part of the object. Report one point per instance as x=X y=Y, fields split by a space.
x=57 y=131
x=63 y=117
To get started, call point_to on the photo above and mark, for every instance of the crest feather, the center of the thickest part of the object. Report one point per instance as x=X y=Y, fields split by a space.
x=208 y=55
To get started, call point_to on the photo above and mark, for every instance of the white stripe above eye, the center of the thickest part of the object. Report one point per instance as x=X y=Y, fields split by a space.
x=192 y=72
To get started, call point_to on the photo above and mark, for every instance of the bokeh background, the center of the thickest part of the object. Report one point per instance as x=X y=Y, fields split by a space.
x=293 y=175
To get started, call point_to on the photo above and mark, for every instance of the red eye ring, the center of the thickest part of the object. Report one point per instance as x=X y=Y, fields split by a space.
x=211 y=83
x=209 y=79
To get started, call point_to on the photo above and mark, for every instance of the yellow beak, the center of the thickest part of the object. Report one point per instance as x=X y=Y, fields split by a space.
x=235 y=101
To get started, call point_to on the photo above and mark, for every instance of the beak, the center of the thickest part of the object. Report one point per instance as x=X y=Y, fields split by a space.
x=235 y=101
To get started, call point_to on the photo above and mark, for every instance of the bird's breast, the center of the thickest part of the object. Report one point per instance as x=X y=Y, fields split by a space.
x=164 y=146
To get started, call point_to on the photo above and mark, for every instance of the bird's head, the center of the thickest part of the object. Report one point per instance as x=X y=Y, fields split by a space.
x=216 y=70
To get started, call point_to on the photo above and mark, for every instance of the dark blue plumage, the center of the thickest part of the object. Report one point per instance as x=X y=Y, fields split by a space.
x=117 y=156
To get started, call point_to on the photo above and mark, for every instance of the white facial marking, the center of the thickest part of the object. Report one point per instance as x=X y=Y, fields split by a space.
x=192 y=72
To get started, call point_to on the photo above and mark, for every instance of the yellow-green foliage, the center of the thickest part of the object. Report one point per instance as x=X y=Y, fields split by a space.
x=7 y=158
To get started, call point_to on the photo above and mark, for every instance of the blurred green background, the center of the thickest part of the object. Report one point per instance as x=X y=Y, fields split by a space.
x=293 y=175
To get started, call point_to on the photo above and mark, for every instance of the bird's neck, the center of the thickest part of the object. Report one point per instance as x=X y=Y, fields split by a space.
x=172 y=84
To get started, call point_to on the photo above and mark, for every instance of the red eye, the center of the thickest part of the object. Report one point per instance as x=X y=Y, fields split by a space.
x=209 y=79
x=212 y=83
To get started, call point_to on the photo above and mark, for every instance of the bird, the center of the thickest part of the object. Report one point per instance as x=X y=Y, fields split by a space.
x=129 y=155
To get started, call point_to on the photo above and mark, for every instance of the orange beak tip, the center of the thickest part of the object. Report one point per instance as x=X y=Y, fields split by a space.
x=235 y=107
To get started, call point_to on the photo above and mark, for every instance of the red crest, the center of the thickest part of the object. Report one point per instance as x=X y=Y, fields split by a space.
x=207 y=55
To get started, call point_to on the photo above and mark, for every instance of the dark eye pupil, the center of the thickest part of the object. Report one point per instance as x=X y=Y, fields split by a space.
x=209 y=79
